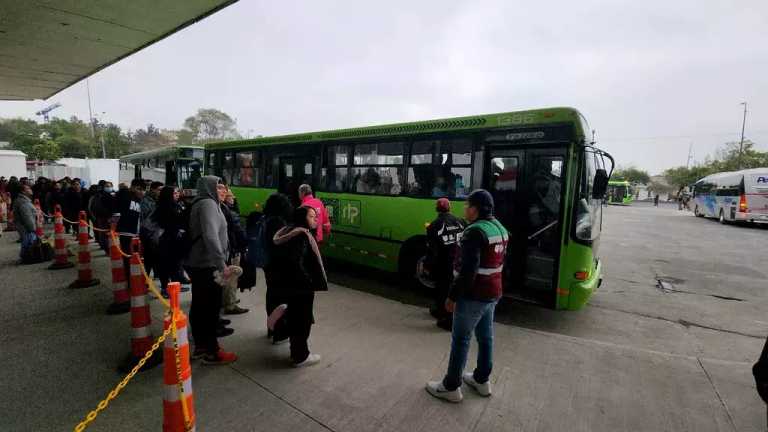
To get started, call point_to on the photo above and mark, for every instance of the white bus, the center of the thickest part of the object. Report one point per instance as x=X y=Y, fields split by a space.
x=174 y=165
x=738 y=196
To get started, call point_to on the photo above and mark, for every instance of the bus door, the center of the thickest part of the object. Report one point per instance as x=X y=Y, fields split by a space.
x=294 y=171
x=526 y=186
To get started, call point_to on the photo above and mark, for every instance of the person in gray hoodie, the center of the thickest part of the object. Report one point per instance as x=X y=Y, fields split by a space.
x=207 y=257
x=25 y=217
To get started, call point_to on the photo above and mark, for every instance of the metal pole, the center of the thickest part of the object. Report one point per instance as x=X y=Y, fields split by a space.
x=90 y=111
x=741 y=143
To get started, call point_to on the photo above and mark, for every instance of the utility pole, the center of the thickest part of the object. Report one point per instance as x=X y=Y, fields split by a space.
x=690 y=156
x=593 y=136
x=90 y=110
x=741 y=143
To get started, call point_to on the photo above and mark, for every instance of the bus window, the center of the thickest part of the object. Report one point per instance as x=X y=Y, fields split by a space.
x=420 y=172
x=378 y=168
x=247 y=172
x=334 y=173
x=211 y=164
x=589 y=211
x=228 y=167
x=461 y=168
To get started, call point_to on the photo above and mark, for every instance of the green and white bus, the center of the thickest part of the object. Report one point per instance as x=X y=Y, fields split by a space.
x=173 y=165
x=620 y=192
x=380 y=184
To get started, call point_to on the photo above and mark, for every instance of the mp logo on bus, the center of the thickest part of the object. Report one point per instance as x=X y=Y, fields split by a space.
x=762 y=179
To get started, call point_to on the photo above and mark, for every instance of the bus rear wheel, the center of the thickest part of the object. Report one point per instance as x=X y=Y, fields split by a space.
x=411 y=266
x=722 y=218
x=696 y=212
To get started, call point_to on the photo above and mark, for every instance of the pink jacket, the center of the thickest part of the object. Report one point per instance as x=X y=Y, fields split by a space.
x=323 y=221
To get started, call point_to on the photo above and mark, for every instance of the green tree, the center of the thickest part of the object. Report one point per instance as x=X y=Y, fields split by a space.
x=36 y=147
x=74 y=137
x=210 y=124
x=632 y=174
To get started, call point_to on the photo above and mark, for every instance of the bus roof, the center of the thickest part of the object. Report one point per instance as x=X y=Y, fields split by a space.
x=157 y=152
x=728 y=174
x=528 y=118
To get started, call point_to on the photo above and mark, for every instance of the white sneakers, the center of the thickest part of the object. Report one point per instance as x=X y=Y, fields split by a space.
x=483 y=389
x=310 y=360
x=436 y=389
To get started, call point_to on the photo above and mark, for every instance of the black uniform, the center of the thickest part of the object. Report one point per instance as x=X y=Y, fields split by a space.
x=443 y=236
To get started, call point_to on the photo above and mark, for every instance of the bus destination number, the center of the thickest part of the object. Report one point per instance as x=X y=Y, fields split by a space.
x=518 y=119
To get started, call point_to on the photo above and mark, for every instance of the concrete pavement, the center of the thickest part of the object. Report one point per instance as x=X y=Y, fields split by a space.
x=637 y=359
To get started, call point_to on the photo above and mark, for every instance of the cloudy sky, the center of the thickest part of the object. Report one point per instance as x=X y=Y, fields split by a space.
x=651 y=77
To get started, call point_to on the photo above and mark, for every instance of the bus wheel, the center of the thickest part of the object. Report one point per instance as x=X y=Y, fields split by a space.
x=411 y=263
x=696 y=212
x=722 y=217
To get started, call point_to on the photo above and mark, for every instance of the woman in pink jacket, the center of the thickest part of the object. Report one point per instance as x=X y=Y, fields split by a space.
x=323 y=220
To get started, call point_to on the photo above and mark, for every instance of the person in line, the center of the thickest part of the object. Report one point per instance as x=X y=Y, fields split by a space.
x=656 y=200
x=102 y=207
x=55 y=197
x=323 y=220
x=72 y=204
x=148 y=205
x=129 y=222
x=298 y=257
x=238 y=244
x=443 y=236
x=207 y=257
x=278 y=213
x=25 y=218
x=167 y=215
x=473 y=297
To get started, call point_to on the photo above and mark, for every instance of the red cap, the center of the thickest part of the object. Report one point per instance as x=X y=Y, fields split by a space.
x=443 y=205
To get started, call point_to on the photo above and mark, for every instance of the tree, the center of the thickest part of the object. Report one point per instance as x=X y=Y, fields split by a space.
x=632 y=175
x=36 y=147
x=210 y=124
x=74 y=137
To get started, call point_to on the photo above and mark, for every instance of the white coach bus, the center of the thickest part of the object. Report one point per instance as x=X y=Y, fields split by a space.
x=738 y=196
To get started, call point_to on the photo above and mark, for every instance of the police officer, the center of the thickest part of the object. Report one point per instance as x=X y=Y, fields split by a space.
x=443 y=236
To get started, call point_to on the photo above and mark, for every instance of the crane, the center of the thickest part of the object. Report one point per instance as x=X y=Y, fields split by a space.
x=44 y=112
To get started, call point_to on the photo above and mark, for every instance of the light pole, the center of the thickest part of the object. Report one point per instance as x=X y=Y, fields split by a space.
x=101 y=136
x=741 y=143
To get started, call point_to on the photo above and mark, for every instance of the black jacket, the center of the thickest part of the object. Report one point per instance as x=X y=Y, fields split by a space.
x=443 y=236
x=238 y=242
x=72 y=204
x=298 y=267
x=130 y=214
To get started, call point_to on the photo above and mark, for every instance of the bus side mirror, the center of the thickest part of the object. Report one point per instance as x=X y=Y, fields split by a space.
x=600 y=185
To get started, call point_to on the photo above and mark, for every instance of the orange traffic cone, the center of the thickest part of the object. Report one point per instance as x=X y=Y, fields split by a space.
x=141 y=320
x=177 y=373
x=3 y=213
x=84 y=270
x=121 y=302
x=60 y=257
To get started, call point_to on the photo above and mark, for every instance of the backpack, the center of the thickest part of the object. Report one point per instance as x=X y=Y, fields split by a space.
x=38 y=252
x=760 y=372
x=258 y=254
x=151 y=231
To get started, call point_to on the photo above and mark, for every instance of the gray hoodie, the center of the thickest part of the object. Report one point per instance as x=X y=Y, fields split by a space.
x=25 y=215
x=207 y=227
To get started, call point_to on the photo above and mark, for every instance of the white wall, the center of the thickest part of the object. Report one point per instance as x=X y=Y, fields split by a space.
x=104 y=169
x=13 y=164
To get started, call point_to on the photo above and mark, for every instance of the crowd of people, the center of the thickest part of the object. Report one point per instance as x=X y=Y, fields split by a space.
x=204 y=244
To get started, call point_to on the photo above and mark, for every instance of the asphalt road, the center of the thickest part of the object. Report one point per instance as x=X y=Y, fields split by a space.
x=643 y=356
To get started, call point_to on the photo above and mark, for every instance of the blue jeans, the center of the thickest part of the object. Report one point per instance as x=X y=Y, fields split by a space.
x=469 y=316
x=26 y=241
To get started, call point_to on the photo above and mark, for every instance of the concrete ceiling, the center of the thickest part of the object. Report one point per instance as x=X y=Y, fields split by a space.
x=48 y=45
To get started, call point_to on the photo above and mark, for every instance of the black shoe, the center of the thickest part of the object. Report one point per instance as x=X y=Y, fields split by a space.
x=435 y=312
x=224 y=331
x=224 y=322
x=445 y=324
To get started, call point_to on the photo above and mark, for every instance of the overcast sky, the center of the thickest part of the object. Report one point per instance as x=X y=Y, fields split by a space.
x=651 y=77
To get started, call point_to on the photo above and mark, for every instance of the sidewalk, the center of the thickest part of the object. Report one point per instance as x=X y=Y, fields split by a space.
x=60 y=352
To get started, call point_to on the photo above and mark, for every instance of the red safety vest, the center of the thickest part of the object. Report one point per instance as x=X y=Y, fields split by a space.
x=488 y=282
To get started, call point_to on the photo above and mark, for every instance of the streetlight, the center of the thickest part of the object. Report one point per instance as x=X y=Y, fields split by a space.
x=741 y=143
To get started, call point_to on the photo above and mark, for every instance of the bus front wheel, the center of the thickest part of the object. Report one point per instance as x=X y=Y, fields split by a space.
x=722 y=217
x=697 y=213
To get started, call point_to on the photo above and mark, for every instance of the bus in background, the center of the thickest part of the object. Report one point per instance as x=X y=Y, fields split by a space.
x=620 y=192
x=380 y=184
x=738 y=196
x=173 y=165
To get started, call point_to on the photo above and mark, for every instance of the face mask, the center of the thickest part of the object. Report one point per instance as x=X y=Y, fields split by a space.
x=108 y=189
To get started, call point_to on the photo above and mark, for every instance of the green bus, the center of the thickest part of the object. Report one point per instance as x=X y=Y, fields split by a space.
x=620 y=192
x=380 y=184
x=173 y=165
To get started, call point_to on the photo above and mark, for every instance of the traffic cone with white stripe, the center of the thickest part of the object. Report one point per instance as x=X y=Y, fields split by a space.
x=121 y=302
x=178 y=401
x=84 y=270
x=60 y=257
x=141 y=320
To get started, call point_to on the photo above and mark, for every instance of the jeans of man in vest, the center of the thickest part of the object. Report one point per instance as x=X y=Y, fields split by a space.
x=471 y=316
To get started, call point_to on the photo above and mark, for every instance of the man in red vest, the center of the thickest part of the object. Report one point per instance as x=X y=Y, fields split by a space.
x=473 y=297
